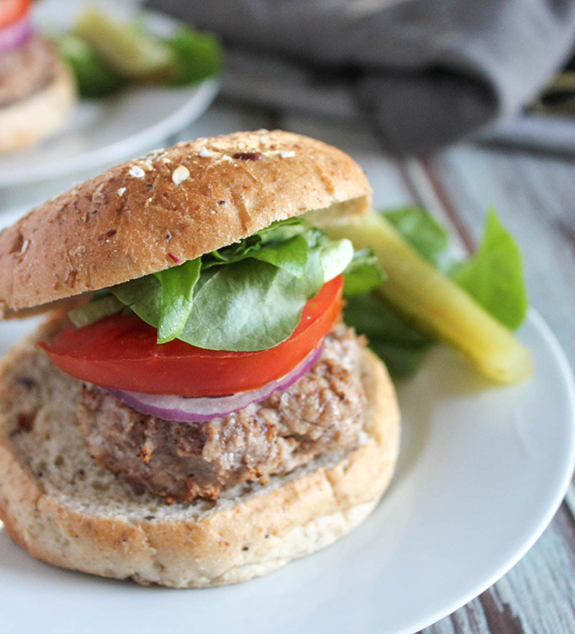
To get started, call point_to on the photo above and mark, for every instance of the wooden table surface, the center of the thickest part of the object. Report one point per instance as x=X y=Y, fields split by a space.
x=535 y=198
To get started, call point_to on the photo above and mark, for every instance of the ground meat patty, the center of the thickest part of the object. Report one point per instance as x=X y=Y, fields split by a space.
x=322 y=412
x=26 y=69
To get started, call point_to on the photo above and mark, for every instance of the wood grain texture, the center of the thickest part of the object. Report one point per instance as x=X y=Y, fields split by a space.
x=538 y=595
x=535 y=198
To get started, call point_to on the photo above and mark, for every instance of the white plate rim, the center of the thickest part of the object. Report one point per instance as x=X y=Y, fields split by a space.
x=201 y=96
x=553 y=504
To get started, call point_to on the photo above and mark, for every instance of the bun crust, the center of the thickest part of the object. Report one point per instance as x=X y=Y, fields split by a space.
x=173 y=205
x=26 y=121
x=97 y=524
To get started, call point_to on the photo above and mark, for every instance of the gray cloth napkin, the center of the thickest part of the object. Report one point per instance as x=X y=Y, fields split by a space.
x=428 y=71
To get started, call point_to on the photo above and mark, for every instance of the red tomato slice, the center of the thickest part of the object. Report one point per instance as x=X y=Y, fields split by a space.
x=12 y=10
x=121 y=352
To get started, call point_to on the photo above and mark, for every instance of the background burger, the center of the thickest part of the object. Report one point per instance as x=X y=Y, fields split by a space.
x=37 y=90
x=202 y=415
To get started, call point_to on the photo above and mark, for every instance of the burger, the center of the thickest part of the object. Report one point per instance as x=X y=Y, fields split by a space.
x=37 y=89
x=193 y=412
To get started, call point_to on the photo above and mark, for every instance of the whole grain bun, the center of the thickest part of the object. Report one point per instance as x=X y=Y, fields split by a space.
x=173 y=205
x=63 y=509
x=26 y=121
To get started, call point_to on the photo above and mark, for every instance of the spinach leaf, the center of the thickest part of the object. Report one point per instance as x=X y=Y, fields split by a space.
x=93 y=76
x=177 y=298
x=248 y=296
x=401 y=346
x=334 y=256
x=198 y=55
x=421 y=230
x=251 y=305
x=494 y=275
x=95 y=310
x=143 y=296
x=362 y=274
x=290 y=255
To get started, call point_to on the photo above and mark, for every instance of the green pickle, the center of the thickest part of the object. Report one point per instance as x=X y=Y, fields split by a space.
x=436 y=304
x=95 y=310
x=128 y=51
x=94 y=78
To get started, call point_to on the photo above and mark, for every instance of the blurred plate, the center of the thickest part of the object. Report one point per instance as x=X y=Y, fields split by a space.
x=105 y=131
x=481 y=472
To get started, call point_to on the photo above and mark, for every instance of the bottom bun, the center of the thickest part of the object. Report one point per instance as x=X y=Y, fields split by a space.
x=26 y=121
x=64 y=509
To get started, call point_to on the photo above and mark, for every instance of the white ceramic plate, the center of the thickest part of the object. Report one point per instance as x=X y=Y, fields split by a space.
x=481 y=473
x=106 y=131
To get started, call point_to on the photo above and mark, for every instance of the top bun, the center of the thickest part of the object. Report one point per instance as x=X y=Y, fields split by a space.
x=173 y=205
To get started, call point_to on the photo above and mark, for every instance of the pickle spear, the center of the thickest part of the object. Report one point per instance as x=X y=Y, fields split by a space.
x=129 y=52
x=435 y=303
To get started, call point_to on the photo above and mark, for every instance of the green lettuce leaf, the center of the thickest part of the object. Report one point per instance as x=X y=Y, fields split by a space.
x=93 y=76
x=177 y=298
x=288 y=244
x=143 y=296
x=421 y=230
x=401 y=361
x=335 y=257
x=282 y=230
x=494 y=275
x=198 y=55
x=94 y=311
x=401 y=346
x=290 y=255
x=249 y=306
x=363 y=274
x=245 y=297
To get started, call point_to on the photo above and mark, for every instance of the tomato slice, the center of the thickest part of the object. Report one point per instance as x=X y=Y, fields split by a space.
x=121 y=352
x=12 y=10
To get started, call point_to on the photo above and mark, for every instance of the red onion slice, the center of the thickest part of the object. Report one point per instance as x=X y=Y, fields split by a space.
x=195 y=410
x=15 y=34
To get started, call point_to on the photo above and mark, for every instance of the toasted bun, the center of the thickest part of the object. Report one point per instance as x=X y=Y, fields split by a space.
x=26 y=121
x=174 y=205
x=62 y=508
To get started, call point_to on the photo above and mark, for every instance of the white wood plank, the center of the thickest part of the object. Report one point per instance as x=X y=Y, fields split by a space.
x=520 y=601
x=427 y=197
x=445 y=626
x=535 y=198
x=468 y=620
x=389 y=191
x=540 y=590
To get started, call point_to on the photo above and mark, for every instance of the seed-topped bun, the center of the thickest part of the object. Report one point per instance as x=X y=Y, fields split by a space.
x=212 y=481
x=173 y=205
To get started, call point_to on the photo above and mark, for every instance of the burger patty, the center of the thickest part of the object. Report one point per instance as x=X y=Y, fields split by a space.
x=322 y=412
x=26 y=69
